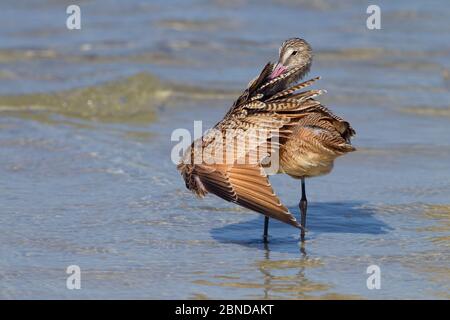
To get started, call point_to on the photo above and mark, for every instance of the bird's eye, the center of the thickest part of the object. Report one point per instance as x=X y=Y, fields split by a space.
x=294 y=53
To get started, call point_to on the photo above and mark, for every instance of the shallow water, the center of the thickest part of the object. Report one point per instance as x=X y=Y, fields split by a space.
x=85 y=171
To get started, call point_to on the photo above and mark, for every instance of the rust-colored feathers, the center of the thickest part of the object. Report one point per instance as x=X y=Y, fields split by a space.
x=309 y=137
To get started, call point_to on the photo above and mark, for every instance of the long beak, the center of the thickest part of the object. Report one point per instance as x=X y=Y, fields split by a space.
x=277 y=71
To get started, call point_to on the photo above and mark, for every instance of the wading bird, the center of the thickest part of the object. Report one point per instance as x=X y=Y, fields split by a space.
x=303 y=135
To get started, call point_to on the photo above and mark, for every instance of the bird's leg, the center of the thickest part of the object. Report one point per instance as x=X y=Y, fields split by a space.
x=266 y=229
x=303 y=207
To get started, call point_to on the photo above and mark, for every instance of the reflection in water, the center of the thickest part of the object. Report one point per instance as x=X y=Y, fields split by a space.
x=280 y=279
x=276 y=286
x=267 y=276
x=290 y=278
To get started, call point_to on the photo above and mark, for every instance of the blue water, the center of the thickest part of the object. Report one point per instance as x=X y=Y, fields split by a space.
x=104 y=195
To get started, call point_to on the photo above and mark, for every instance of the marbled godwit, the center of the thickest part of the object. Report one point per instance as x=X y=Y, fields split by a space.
x=309 y=136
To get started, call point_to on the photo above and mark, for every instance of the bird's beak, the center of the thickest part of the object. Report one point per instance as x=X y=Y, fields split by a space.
x=278 y=70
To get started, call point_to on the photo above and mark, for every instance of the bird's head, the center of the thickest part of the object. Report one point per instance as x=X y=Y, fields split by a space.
x=293 y=53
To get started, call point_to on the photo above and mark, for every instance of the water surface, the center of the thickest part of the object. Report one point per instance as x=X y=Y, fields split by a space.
x=85 y=172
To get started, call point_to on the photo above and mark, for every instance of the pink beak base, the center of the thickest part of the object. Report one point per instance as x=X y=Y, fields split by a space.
x=278 y=70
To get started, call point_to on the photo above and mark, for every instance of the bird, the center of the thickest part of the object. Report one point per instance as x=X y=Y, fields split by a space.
x=295 y=58
x=300 y=134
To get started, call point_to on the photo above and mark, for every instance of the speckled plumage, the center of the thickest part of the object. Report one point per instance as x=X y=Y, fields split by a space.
x=309 y=136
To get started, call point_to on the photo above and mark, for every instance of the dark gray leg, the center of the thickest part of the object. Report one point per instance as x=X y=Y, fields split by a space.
x=266 y=229
x=303 y=207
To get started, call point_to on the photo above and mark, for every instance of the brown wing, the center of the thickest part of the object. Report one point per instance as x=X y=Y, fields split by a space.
x=254 y=85
x=246 y=185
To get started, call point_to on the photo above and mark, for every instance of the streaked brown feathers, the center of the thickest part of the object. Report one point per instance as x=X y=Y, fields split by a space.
x=306 y=131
